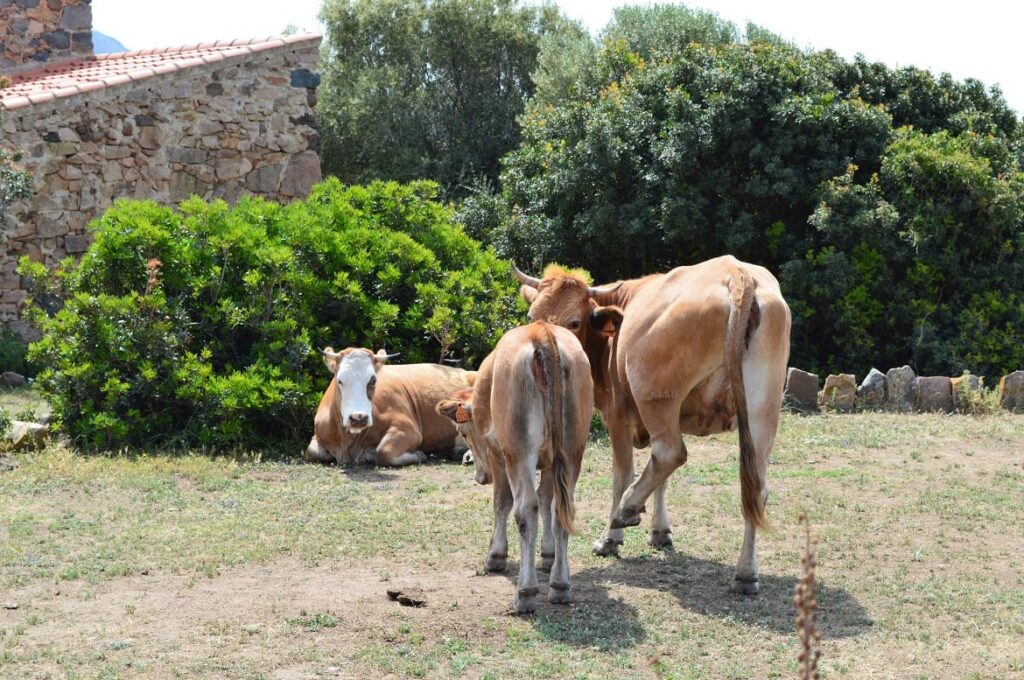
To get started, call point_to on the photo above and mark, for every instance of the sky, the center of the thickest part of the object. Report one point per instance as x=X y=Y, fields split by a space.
x=978 y=39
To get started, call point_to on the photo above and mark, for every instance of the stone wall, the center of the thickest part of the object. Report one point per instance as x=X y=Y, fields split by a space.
x=39 y=31
x=241 y=125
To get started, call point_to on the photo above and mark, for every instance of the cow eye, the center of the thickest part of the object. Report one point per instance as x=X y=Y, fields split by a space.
x=373 y=381
x=575 y=325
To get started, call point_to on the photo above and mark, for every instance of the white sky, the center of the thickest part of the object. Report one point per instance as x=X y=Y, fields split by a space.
x=979 y=39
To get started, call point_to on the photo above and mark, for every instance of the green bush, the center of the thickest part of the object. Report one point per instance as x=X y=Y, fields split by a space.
x=202 y=327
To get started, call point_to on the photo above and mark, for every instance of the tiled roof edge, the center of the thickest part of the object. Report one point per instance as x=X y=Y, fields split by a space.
x=243 y=47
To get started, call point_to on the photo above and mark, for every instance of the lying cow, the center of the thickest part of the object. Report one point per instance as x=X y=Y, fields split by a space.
x=383 y=415
x=701 y=349
x=530 y=410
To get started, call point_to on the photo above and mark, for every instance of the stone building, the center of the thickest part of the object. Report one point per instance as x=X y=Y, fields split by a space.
x=216 y=120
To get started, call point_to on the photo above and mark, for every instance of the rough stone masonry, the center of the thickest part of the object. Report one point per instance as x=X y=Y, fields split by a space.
x=217 y=120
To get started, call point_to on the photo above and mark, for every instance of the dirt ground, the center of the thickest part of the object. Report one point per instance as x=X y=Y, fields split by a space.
x=142 y=566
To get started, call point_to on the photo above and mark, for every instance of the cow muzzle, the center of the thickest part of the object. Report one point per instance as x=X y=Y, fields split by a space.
x=357 y=422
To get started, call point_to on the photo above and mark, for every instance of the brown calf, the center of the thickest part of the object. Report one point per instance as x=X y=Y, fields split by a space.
x=530 y=410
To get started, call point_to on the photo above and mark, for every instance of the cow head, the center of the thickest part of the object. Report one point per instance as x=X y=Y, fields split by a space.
x=565 y=299
x=460 y=410
x=355 y=377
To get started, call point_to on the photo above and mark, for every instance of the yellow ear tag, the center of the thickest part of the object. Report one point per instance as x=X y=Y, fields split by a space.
x=461 y=414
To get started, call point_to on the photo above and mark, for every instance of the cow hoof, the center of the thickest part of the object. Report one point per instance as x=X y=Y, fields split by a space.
x=625 y=517
x=368 y=458
x=467 y=458
x=526 y=600
x=660 y=538
x=606 y=547
x=420 y=457
x=742 y=586
x=495 y=563
x=560 y=593
x=546 y=561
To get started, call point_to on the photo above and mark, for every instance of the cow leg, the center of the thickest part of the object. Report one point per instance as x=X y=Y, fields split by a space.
x=559 y=584
x=498 y=551
x=667 y=454
x=398 y=447
x=315 y=453
x=547 y=517
x=622 y=474
x=764 y=403
x=522 y=477
x=661 y=530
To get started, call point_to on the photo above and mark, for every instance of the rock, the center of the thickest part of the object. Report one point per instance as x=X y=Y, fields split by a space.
x=839 y=393
x=178 y=154
x=7 y=464
x=934 y=393
x=12 y=379
x=76 y=18
x=232 y=168
x=1011 y=391
x=801 y=389
x=26 y=436
x=10 y=605
x=871 y=393
x=303 y=77
x=77 y=243
x=901 y=389
x=264 y=180
x=302 y=173
x=965 y=387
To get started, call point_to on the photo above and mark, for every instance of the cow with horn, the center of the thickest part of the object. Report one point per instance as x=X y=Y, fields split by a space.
x=374 y=413
x=701 y=349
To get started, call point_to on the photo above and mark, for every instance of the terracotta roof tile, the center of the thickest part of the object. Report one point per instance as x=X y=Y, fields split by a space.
x=67 y=78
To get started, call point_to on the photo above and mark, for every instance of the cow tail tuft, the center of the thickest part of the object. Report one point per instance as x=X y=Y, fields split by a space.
x=741 y=292
x=551 y=364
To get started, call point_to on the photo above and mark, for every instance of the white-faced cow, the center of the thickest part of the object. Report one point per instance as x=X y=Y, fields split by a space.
x=530 y=410
x=700 y=350
x=377 y=414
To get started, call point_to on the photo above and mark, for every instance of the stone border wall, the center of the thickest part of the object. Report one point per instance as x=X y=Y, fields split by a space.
x=243 y=125
x=899 y=389
x=33 y=32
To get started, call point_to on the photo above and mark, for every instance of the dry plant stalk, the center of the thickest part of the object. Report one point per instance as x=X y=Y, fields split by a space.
x=807 y=608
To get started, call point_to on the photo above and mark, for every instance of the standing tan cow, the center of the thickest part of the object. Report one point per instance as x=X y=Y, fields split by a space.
x=701 y=349
x=377 y=414
x=530 y=410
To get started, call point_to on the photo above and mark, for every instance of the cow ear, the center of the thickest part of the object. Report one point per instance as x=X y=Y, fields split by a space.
x=606 y=320
x=456 y=410
x=529 y=293
x=331 y=359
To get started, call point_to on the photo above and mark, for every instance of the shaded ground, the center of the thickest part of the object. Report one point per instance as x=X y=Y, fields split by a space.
x=157 y=566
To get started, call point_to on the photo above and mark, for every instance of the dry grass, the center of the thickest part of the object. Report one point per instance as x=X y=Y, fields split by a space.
x=147 y=565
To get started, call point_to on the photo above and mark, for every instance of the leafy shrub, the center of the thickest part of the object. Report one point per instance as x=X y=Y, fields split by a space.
x=13 y=354
x=202 y=327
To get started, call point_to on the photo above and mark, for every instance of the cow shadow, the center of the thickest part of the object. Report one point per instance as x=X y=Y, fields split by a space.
x=702 y=586
x=594 y=620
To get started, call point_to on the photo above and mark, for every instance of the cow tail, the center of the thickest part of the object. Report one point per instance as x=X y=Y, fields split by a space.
x=743 y=319
x=550 y=362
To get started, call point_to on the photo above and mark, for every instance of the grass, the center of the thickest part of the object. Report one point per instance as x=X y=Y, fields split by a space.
x=148 y=565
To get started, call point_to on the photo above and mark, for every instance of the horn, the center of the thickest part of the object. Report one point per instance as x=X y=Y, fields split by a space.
x=524 y=279
x=597 y=291
x=451 y=362
x=327 y=352
x=384 y=356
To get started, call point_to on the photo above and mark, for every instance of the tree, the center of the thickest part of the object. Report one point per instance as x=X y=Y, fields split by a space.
x=428 y=88
x=889 y=202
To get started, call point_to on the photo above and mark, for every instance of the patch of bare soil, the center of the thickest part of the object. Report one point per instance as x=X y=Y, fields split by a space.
x=259 y=618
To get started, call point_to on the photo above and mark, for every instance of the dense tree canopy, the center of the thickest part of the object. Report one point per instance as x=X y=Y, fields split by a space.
x=428 y=88
x=889 y=202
